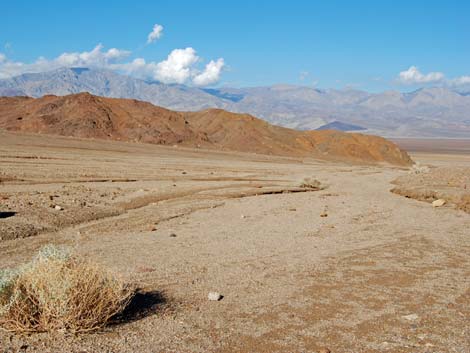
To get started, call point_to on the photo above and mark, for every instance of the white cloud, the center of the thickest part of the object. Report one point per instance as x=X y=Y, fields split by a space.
x=178 y=67
x=462 y=80
x=303 y=75
x=94 y=58
x=181 y=65
x=211 y=73
x=156 y=33
x=414 y=76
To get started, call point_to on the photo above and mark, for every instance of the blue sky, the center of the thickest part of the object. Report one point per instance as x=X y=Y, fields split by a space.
x=330 y=44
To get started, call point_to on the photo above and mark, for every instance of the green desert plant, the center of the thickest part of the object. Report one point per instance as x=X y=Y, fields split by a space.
x=58 y=291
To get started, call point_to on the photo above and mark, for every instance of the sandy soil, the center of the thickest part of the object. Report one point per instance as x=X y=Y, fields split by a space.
x=352 y=268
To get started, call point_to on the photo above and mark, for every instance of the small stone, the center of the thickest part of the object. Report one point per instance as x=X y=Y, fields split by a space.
x=438 y=203
x=145 y=269
x=214 y=296
x=324 y=214
x=324 y=350
x=410 y=317
x=173 y=235
x=242 y=216
x=153 y=229
x=58 y=208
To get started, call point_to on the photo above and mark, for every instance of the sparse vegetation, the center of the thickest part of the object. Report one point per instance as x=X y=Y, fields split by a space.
x=464 y=203
x=310 y=183
x=60 y=292
x=417 y=168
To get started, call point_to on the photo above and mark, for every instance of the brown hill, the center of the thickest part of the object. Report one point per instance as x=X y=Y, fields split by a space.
x=85 y=115
x=243 y=132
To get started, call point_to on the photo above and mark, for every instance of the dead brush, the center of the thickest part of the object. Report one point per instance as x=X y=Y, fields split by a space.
x=310 y=183
x=60 y=292
x=464 y=203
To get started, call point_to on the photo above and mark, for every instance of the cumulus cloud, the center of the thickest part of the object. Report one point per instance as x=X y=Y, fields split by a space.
x=94 y=58
x=181 y=65
x=178 y=67
x=414 y=76
x=462 y=80
x=211 y=73
x=156 y=33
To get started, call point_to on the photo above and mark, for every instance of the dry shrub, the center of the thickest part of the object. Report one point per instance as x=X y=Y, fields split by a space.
x=57 y=291
x=417 y=168
x=464 y=203
x=310 y=183
x=417 y=193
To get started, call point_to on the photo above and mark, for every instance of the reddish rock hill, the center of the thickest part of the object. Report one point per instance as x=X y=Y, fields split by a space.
x=243 y=132
x=85 y=115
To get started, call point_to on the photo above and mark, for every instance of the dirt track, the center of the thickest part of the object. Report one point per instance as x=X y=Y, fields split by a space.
x=353 y=267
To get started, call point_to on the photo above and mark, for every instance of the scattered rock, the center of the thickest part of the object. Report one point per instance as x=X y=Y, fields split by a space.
x=242 y=216
x=153 y=229
x=214 y=296
x=173 y=235
x=145 y=269
x=438 y=203
x=184 y=173
x=411 y=317
x=419 y=169
x=324 y=350
x=58 y=208
x=324 y=214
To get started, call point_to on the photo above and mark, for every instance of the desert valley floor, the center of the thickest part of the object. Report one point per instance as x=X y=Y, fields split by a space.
x=351 y=267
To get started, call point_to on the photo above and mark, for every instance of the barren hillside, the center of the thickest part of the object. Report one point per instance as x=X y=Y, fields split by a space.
x=85 y=115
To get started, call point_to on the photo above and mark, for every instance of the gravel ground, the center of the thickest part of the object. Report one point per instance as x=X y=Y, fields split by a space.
x=352 y=267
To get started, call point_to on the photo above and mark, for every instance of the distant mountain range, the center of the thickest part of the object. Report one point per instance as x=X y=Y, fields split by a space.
x=340 y=126
x=427 y=112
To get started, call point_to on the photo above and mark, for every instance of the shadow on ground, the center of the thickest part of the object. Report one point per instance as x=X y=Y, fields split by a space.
x=143 y=304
